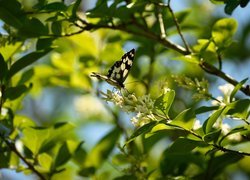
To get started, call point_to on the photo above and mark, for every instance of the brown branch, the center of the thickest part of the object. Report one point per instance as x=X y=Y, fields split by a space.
x=30 y=166
x=214 y=71
x=177 y=24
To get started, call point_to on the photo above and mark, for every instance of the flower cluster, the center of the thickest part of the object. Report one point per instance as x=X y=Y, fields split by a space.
x=226 y=90
x=143 y=106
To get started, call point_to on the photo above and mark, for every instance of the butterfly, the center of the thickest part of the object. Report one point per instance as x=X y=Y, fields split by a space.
x=118 y=73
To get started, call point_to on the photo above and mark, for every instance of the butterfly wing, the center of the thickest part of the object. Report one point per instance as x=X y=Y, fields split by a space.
x=119 y=71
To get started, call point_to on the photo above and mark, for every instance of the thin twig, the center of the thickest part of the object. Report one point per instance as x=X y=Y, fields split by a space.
x=214 y=145
x=30 y=166
x=177 y=24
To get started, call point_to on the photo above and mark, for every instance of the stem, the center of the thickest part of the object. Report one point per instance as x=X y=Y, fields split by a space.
x=214 y=71
x=177 y=24
x=30 y=166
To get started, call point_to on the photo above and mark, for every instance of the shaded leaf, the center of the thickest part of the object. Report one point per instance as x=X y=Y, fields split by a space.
x=4 y=68
x=13 y=93
x=212 y=136
x=25 y=61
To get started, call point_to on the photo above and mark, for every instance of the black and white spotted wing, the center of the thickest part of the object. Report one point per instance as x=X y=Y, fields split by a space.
x=118 y=73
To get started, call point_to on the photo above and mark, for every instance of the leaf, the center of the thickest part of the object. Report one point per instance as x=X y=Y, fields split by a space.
x=233 y=131
x=178 y=156
x=26 y=76
x=239 y=109
x=221 y=162
x=13 y=93
x=185 y=119
x=165 y=101
x=25 y=61
x=66 y=151
x=55 y=6
x=141 y=130
x=56 y=27
x=44 y=43
x=10 y=11
x=231 y=6
x=236 y=88
x=204 y=109
x=76 y=5
x=102 y=149
x=4 y=68
x=33 y=139
x=33 y=28
x=45 y=160
x=223 y=31
x=212 y=136
x=208 y=124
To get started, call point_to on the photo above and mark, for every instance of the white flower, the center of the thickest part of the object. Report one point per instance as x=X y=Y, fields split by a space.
x=216 y=103
x=226 y=89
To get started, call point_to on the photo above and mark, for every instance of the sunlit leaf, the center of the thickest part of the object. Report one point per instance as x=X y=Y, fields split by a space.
x=223 y=32
x=185 y=119
x=208 y=124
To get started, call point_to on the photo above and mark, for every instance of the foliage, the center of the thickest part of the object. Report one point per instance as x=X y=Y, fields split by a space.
x=52 y=47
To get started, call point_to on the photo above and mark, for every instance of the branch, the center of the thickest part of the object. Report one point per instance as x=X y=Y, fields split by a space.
x=214 y=145
x=30 y=166
x=214 y=71
x=177 y=24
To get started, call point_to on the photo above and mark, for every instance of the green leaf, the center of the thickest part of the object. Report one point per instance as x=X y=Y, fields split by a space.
x=55 y=6
x=33 y=139
x=10 y=11
x=233 y=131
x=204 y=109
x=66 y=151
x=178 y=156
x=243 y=3
x=184 y=145
x=56 y=27
x=60 y=132
x=102 y=149
x=165 y=101
x=239 y=109
x=45 y=160
x=33 y=28
x=208 y=124
x=212 y=136
x=223 y=32
x=141 y=130
x=4 y=68
x=26 y=76
x=185 y=119
x=221 y=162
x=13 y=93
x=44 y=43
x=76 y=5
x=25 y=61
x=236 y=88
x=231 y=6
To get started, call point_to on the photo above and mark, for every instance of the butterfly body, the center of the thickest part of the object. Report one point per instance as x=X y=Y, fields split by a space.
x=118 y=73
